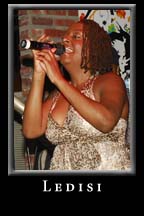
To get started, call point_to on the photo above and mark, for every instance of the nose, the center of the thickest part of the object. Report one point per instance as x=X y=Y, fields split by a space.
x=66 y=40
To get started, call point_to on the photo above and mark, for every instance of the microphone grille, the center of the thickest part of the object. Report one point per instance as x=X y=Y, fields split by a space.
x=25 y=44
x=60 y=49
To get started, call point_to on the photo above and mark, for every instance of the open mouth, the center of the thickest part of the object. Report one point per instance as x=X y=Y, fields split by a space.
x=68 y=50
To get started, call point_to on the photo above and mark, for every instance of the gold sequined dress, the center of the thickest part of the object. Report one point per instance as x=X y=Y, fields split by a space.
x=80 y=146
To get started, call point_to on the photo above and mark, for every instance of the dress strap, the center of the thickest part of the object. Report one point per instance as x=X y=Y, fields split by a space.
x=54 y=101
x=93 y=80
x=91 y=86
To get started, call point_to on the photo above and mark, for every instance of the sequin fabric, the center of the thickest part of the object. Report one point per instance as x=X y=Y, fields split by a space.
x=80 y=146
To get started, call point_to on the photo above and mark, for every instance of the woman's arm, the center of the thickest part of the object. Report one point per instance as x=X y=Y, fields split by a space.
x=33 y=108
x=104 y=114
x=35 y=113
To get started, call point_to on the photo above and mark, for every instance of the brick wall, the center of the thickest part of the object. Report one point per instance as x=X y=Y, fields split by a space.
x=34 y=23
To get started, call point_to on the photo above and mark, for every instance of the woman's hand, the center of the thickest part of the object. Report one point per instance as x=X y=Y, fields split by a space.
x=49 y=65
x=38 y=69
x=45 y=61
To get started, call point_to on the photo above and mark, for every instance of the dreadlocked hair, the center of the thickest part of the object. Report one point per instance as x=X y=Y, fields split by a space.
x=97 y=48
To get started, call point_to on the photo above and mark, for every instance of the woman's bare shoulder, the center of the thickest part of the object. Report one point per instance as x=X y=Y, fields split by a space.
x=108 y=79
x=109 y=76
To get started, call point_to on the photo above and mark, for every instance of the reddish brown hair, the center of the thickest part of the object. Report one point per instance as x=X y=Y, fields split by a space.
x=97 y=48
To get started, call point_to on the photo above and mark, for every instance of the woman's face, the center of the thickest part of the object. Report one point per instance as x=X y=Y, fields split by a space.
x=73 y=42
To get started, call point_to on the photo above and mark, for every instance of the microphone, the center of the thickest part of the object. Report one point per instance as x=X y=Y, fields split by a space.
x=28 y=44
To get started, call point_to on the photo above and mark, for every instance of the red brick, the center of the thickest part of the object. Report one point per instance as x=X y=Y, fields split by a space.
x=60 y=12
x=63 y=22
x=23 y=21
x=54 y=33
x=73 y=12
x=24 y=34
x=55 y=12
x=22 y=12
x=36 y=11
x=36 y=33
x=42 y=21
x=69 y=22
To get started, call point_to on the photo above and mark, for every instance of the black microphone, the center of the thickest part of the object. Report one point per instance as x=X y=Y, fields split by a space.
x=28 y=44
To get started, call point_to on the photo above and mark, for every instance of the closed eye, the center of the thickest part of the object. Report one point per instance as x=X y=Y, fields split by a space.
x=76 y=36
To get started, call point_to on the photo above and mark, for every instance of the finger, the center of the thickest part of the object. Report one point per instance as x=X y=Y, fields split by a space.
x=43 y=66
x=53 y=50
x=45 y=39
x=35 y=52
x=40 y=38
x=43 y=55
x=53 y=57
x=48 y=55
x=57 y=57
